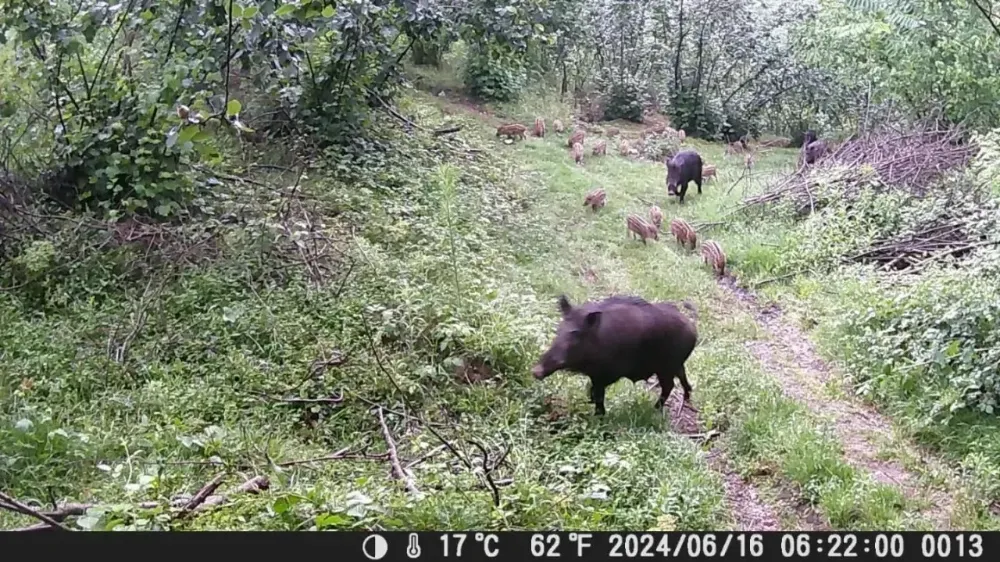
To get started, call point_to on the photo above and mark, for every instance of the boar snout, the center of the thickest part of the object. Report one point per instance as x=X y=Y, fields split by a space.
x=539 y=372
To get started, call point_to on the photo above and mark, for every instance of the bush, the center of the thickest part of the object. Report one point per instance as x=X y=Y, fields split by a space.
x=493 y=74
x=936 y=342
x=624 y=101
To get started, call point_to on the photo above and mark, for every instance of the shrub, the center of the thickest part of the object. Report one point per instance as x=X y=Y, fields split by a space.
x=624 y=101
x=494 y=74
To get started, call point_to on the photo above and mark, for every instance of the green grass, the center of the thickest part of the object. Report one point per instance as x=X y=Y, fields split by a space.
x=456 y=258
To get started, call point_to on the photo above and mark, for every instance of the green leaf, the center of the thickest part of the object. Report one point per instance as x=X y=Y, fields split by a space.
x=233 y=108
x=325 y=520
x=284 y=10
x=188 y=133
x=250 y=11
x=328 y=12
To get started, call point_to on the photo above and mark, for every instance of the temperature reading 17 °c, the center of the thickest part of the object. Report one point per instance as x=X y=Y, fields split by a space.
x=453 y=543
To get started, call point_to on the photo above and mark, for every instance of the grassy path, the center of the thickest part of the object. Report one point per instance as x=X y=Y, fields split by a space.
x=789 y=451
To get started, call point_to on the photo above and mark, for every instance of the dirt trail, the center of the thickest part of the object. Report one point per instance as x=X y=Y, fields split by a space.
x=791 y=358
x=743 y=501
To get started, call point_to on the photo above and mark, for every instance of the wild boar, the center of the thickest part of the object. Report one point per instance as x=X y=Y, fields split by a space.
x=735 y=147
x=514 y=130
x=601 y=148
x=639 y=228
x=578 y=152
x=539 y=127
x=683 y=232
x=596 y=199
x=681 y=135
x=656 y=216
x=685 y=167
x=621 y=337
x=558 y=126
x=623 y=148
x=714 y=257
x=708 y=171
x=576 y=137
x=612 y=132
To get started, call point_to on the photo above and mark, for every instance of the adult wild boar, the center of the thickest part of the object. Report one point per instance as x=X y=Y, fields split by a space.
x=685 y=167
x=621 y=337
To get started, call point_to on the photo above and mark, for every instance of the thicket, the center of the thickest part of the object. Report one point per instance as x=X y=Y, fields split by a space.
x=919 y=265
x=115 y=107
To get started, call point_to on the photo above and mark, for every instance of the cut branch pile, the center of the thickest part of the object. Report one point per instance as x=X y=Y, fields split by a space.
x=915 y=250
x=912 y=161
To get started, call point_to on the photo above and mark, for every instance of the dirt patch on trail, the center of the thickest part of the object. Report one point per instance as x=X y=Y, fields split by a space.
x=743 y=502
x=791 y=358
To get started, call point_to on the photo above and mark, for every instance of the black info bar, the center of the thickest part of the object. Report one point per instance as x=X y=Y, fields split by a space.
x=520 y=546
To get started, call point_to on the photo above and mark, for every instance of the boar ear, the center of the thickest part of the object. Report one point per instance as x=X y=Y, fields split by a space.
x=564 y=305
x=593 y=319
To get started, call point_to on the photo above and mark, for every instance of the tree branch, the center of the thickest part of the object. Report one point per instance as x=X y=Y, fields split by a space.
x=11 y=504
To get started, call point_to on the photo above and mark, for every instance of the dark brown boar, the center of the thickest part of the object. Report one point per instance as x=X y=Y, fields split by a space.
x=577 y=137
x=621 y=337
x=685 y=167
x=539 y=127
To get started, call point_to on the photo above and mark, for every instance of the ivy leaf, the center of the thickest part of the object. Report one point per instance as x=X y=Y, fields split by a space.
x=328 y=12
x=233 y=108
x=284 y=10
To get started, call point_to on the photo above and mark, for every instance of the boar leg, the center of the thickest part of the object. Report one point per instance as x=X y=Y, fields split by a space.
x=682 y=375
x=597 y=395
x=680 y=192
x=666 y=387
x=698 y=182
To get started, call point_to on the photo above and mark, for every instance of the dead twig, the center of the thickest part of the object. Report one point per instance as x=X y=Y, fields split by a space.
x=397 y=469
x=488 y=469
x=424 y=457
x=342 y=454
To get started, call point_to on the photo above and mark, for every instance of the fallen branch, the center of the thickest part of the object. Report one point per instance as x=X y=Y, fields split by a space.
x=11 y=504
x=397 y=468
x=342 y=454
x=447 y=130
x=201 y=496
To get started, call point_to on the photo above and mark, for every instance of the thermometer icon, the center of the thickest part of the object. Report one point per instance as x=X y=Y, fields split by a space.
x=413 y=549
